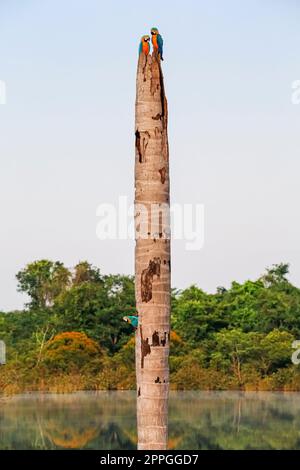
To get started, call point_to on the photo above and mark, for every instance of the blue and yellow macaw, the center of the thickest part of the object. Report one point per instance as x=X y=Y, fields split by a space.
x=133 y=320
x=157 y=42
x=145 y=45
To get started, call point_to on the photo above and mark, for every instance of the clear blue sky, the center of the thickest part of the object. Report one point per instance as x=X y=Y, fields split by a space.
x=66 y=132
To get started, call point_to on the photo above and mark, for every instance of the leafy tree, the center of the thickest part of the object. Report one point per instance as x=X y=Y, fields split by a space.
x=233 y=348
x=85 y=272
x=276 y=274
x=43 y=281
x=77 y=307
x=275 y=351
x=278 y=307
x=239 y=305
x=70 y=349
x=195 y=315
x=18 y=329
x=97 y=308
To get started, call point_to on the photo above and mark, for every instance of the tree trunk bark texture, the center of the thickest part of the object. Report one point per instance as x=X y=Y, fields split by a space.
x=152 y=254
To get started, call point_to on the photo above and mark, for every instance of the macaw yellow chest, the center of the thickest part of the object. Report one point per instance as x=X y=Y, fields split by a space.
x=154 y=41
x=146 y=48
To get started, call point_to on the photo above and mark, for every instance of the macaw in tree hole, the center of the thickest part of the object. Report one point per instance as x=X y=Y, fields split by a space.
x=133 y=320
x=145 y=45
x=157 y=42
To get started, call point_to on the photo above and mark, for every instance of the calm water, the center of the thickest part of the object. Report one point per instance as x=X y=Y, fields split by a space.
x=106 y=420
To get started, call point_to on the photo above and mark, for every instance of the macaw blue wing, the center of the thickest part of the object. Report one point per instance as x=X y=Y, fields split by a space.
x=134 y=321
x=160 y=43
x=140 y=48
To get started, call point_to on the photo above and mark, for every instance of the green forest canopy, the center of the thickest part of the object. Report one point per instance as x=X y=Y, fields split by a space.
x=239 y=337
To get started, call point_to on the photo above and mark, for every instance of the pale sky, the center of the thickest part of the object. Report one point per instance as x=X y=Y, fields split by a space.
x=67 y=132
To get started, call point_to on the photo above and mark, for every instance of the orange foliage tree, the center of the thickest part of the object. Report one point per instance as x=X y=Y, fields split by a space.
x=70 y=350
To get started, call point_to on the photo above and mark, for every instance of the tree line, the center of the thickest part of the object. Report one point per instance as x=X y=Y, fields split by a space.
x=71 y=334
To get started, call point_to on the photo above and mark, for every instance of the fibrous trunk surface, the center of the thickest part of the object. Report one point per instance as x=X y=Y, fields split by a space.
x=152 y=254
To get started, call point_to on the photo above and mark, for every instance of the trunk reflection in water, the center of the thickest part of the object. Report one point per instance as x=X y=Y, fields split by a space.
x=107 y=420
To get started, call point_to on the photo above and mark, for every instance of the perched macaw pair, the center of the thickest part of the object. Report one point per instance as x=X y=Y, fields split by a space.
x=157 y=43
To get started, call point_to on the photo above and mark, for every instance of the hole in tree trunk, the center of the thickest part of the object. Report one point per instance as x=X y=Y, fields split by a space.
x=145 y=348
x=163 y=341
x=141 y=144
x=155 y=339
x=163 y=172
x=147 y=278
x=157 y=117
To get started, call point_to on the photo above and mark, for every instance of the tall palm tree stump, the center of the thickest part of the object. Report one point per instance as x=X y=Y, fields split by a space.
x=152 y=254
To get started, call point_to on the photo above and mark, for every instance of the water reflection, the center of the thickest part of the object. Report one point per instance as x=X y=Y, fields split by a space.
x=107 y=420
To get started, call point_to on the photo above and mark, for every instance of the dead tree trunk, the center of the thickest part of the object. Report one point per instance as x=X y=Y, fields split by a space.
x=152 y=255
